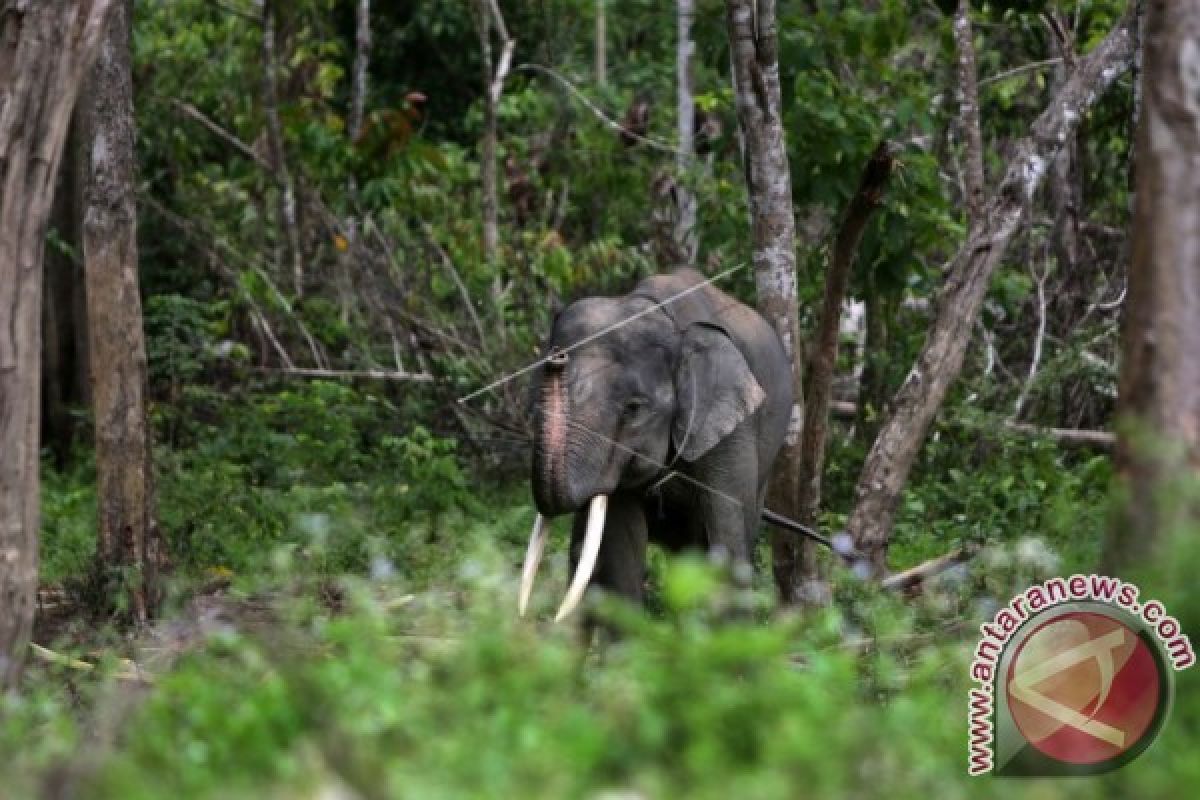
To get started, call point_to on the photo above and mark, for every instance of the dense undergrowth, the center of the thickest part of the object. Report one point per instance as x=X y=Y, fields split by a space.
x=342 y=616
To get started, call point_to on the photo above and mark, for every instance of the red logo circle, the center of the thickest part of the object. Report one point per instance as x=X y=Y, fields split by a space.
x=1084 y=688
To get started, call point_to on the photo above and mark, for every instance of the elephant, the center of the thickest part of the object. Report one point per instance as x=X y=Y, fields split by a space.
x=657 y=416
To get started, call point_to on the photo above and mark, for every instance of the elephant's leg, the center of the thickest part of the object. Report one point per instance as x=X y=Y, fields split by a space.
x=621 y=564
x=726 y=511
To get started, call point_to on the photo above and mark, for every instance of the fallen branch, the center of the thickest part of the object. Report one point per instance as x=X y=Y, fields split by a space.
x=130 y=671
x=1103 y=440
x=913 y=577
x=842 y=547
x=373 y=374
x=1073 y=437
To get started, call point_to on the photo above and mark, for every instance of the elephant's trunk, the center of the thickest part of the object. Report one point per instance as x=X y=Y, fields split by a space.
x=550 y=487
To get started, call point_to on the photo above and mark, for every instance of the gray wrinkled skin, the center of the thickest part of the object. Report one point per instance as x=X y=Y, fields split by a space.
x=701 y=389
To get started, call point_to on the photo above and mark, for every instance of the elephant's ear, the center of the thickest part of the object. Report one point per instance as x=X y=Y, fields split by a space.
x=714 y=388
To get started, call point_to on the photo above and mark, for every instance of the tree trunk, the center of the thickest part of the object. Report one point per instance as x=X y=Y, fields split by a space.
x=362 y=57
x=129 y=549
x=969 y=111
x=823 y=362
x=488 y=13
x=685 y=202
x=287 y=189
x=45 y=49
x=920 y=396
x=1159 y=392
x=601 y=43
x=755 y=60
x=487 y=145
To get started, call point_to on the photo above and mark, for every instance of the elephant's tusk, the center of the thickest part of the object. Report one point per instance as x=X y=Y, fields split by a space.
x=587 y=559
x=533 y=557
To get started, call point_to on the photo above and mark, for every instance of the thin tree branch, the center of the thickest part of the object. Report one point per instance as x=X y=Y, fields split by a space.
x=1015 y=71
x=1038 y=341
x=190 y=111
x=448 y=263
x=657 y=144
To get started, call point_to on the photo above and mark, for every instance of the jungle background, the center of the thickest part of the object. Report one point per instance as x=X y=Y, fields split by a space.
x=320 y=286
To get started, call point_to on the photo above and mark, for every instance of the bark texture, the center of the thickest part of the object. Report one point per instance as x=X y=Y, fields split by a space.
x=487 y=13
x=46 y=46
x=755 y=63
x=128 y=548
x=685 y=201
x=819 y=389
x=969 y=111
x=1159 y=390
x=920 y=396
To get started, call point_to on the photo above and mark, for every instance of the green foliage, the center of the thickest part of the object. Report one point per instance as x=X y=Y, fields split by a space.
x=399 y=693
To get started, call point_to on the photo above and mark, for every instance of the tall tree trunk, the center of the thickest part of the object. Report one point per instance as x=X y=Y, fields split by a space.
x=755 y=59
x=487 y=145
x=362 y=59
x=1159 y=393
x=819 y=389
x=46 y=48
x=129 y=549
x=287 y=189
x=969 y=111
x=900 y=438
x=685 y=201
x=601 y=53
x=488 y=14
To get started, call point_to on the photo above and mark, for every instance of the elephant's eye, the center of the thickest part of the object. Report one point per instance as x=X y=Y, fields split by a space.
x=635 y=405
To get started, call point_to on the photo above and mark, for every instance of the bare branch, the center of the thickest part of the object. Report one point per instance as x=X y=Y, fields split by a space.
x=372 y=374
x=912 y=578
x=190 y=111
x=1038 y=340
x=448 y=263
x=657 y=144
x=1015 y=71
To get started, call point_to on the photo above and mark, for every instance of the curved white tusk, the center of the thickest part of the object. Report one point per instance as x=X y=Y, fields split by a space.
x=587 y=559
x=533 y=557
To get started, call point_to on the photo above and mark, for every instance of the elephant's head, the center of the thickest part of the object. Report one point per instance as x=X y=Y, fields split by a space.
x=623 y=391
